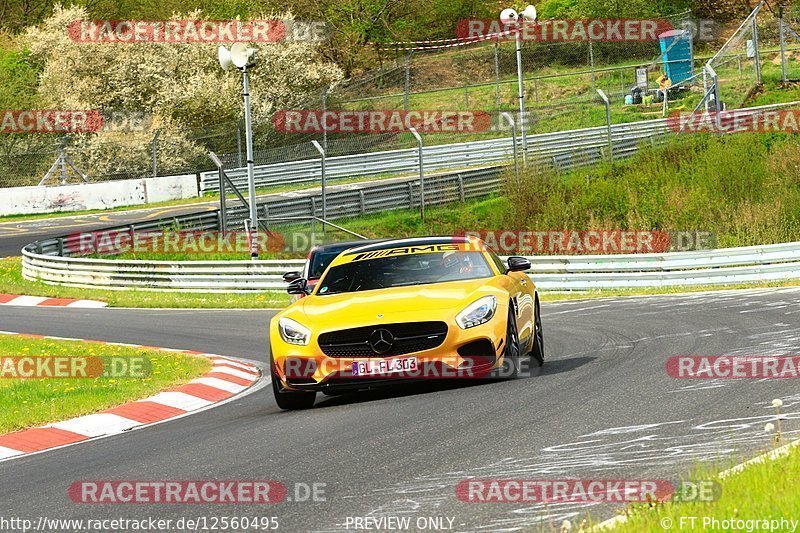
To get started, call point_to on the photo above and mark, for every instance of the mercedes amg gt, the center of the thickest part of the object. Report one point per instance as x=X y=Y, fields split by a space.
x=421 y=308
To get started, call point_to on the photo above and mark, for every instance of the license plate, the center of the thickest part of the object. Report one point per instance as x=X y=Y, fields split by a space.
x=377 y=367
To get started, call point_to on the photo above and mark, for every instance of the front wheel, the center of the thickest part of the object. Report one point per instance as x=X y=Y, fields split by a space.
x=511 y=352
x=289 y=400
x=537 y=352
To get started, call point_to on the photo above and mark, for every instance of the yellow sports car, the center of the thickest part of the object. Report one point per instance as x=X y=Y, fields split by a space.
x=421 y=308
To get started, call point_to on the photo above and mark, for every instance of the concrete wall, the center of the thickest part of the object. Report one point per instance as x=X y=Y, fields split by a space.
x=103 y=195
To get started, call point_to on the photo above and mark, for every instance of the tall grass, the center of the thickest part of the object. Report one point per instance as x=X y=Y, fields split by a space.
x=744 y=188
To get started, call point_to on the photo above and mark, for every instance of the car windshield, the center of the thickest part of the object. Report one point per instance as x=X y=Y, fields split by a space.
x=321 y=260
x=404 y=270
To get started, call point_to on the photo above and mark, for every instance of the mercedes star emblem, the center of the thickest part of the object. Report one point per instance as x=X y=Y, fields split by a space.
x=381 y=340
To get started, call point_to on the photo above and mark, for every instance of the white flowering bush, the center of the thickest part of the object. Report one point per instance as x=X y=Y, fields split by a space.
x=179 y=85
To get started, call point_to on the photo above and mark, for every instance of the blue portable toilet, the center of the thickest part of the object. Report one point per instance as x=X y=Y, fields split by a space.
x=677 y=54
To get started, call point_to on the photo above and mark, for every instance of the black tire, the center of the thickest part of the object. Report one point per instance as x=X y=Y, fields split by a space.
x=290 y=400
x=511 y=352
x=537 y=350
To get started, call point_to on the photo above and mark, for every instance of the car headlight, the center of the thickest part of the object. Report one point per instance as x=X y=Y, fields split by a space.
x=293 y=332
x=478 y=312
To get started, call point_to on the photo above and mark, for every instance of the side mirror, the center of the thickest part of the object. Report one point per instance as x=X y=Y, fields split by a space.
x=297 y=286
x=518 y=264
x=291 y=276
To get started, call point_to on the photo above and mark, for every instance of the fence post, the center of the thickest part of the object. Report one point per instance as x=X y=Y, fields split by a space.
x=497 y=71
x=324 y=217
x=239 y=144
x=324 y=122
x=63 y=159
x=608 y=123
x=510 y=120
x=408 y=80
x=757 y=55
x=591 y=62
x=715 y=87
x=783 y=44
x=154 y=151
x=418 y=137
x=223 y=204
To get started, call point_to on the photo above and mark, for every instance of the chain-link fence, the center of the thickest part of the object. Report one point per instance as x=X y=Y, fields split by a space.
x=561 y=84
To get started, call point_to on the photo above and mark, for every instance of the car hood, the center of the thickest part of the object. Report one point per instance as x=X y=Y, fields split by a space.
x=439 y=301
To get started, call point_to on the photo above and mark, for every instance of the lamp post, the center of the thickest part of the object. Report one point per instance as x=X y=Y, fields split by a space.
x=242 y=57
x=510 y=16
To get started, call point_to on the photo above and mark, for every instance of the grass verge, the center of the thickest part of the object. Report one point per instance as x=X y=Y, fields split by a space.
x=32 y=402
x=763 y=491
x=12 y=282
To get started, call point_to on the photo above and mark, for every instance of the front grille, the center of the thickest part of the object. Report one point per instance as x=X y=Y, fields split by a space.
x=408 y=337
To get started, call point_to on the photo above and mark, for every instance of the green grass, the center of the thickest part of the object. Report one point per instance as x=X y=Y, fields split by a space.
x=762 y=491
x=32 y=402
x=11 y=282
x=743 y=188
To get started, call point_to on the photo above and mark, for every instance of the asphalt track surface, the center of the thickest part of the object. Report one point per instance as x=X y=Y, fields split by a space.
x=603 y=408
x=14 y=234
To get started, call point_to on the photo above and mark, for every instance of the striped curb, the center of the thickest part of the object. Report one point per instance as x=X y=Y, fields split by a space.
x=227 y=378
x=43 y=301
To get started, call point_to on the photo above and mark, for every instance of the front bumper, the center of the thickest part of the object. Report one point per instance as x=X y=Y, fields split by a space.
x=464 y=354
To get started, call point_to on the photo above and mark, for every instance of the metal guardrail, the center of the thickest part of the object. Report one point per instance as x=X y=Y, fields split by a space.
x=365 y=199
x=564 y=149
x=711 y=267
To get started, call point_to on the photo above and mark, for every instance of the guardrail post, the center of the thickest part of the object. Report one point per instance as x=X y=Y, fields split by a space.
x=361 y=201
x=410 y=195
x=607 y=103
x=460 y=188
x=60 y=247
x=510 y=119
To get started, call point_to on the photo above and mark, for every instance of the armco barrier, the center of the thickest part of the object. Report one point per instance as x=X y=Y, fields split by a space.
x=711 y=267
x=562 y=149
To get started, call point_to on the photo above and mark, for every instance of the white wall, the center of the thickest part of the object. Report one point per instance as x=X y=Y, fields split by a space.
x=103 y=195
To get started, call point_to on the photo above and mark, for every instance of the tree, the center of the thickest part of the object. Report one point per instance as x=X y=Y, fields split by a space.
x=180 y=86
